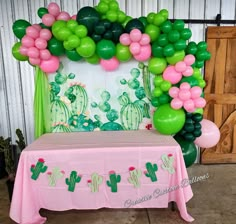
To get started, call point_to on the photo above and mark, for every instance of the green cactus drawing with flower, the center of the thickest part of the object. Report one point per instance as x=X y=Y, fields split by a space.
x=71 y=182
x=37 y=169
x=134 y=177
x=95 y=181
x=151 y=171
x=168 y=162
x=114 y=179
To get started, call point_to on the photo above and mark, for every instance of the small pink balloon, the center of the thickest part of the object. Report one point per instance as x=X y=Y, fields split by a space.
x=174 y=92
x=45 y=54
x=34 y=61
x=184 y=94
x=189 y=59
x=135 y=35
x=188 y=71
x=135 y=48
x=144 y=54
x=40 y=43
x=196 y=92
x=63 y=16
x=125 y=39
x=24 y=50
x=27 y=41
x=32 y=31
x=176 y=103
x=200 y=102
x=48 y=19
x=170 y=74
x=189 y=105
x=145 y=39
x=54 y=9
x=185 y=86
x=109 y=65
x=33 y=52
x=210 y=134
x=45 y=34
x=37 y=26
x=51 y=65
x=74 y=17
x=180 y=66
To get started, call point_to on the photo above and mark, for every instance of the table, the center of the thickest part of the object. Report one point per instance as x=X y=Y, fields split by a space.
x=92 y=170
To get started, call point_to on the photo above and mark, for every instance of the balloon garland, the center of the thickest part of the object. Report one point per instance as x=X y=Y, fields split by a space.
x=105 y=35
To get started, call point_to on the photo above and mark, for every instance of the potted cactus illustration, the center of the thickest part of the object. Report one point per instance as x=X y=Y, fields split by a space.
x=114 y=179
x=95 y=181
x=134 y=176
x=71 y=182
x=151 y=171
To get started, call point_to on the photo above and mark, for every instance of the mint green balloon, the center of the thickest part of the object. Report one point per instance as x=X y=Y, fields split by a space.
x=87 y=47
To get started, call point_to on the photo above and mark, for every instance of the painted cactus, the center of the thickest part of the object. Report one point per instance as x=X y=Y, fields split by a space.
x=131 y=115
x=37 y=169
x=60 y=127
x=95 y=181
x=168 y=161
x=151 y=171
x=134 y=176
x=78 y=96
x=114 y=179
x=81 y=123
x=55 y=175
x=71 y=182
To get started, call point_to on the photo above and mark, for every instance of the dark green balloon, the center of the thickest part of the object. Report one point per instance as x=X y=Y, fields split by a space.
x=19 y=28
x=191 y=48
x=168 y=50
x=155 y=102
x=116 y=29
x=164 y=98
x=189 y=150
x=56 y=47
x=73 y=55
x=42 y=11
x=99 y=28
x=192 y=81
x=180 y=45
x=199 y=64
x=185 y=33
x=173 y=36
x=197 y=117
x=107 y=35
x=202 y=46
x=166 y=27
x=157 y=51
x=106 y=49
x=178 y=25
x=144 y=21
x=44 y=26
x=201 y=55
x=134 y=24
x=96 y=37
x=162 y=40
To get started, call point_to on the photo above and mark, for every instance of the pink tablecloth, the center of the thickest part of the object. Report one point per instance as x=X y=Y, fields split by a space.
x=107 y=155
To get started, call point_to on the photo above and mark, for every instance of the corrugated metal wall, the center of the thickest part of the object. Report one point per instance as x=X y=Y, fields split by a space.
x=17 y=79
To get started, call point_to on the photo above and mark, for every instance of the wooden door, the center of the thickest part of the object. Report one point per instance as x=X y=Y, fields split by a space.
x=220 y=93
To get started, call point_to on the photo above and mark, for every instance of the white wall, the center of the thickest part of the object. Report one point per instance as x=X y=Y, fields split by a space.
x=17 y=78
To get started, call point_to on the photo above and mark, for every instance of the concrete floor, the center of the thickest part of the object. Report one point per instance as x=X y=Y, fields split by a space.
x=214 y=202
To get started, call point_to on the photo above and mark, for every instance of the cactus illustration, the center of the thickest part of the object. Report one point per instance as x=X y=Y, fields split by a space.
x=81 y=123
x=95 y=181
x=134 y=176
x=37 y=169
x=54 y=176
x=71 y=182
x=78 y=96
x=114 y=179
x=151 y=171
x=144 y=106
x=133 y=83
x=60 y=127
x=168 y=161
x=131 y=114
x=104 y=105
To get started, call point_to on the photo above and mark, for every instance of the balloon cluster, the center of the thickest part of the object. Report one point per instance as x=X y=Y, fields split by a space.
x=188 y=98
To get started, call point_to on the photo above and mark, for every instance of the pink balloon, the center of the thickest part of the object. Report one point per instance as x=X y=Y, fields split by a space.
x=45 y=54
x=176 y=103
x=174 y=92
x=37 y=26
x=45 y=34
x=180 y=66
x=74 y=17
x=135 y=48
x=51 y=65
x=170 y=74
x=188 y=71
x=40 y=43
x=125 y=39
x=185 y=86
x=48 y=19
x=145 y=39
x=34 y=61
x=109 y=65
x=200 y=102
x=27 y=41
x=54 y=9
x=24 y=50
x=63 y=16
x=210 y=134
x=135 y=35
x=189 y=59
x=184 y=94
x=189 y=106
x=196 y=92
x=33 y=52
x=144 y=54
x=32 y=31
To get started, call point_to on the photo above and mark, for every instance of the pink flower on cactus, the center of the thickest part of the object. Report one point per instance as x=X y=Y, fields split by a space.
x=144 y=172
x=41 y=160
x=112 y=172
x=169 y=155
x=32 y=165
x=63 y=172
x=49 y=173
x=131 y=168
x=89 y=181
x=148 y=126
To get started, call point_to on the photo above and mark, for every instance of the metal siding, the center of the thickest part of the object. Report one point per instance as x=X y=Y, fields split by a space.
x=134 y=8
x=167 y=4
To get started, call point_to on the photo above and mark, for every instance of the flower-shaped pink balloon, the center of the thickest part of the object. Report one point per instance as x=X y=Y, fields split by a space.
x=45 y=34
x=135 y=35
x=145 y=39
x=135 y=48
x=27 y=41
x=51 y=65
x=189 y=59
x=45 y=54
x=144 y=54
x=32 y=32
x=40 y=43
x=172 y=75
x=125 y=39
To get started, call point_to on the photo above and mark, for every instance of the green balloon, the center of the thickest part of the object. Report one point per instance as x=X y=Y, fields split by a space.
x=121 y=17
x=63 y=33
x=191 y=48
x=202 y=46
x=201 y=55
x=116 y=30
x=169 y=50
x=144 y=21
x=150 y=17
x=178 y=25
x=72 y=24
x=42 y=11
x=164 y=13
x=87 y=47
x=56 y=47
x=94 y=59
x=155 y=102
x=167 y=120
x=157 y=51
x=134 y=24
x=57 y=26
x=153 y=31
x=189 y=150
x=19 y=28
x=178 y=56
x=199 y=64
x=122 y=53
x=162 y=40
x=166 y=27
x=106 y=49
x=158 y=19
x=73 y=41
x=81 y=31
x=102 y=7
x=186 y=34
x=127 y=19
x=16 y=52
x=73 y=55
x=157 y=65
x=180 y=45
x=112 y=16
x=192 y=81
x=44 y=26
x=173 y=36
x=164 y=98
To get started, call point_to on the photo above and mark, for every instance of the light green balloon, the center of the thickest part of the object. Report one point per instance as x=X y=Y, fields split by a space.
x=178 y=56
x=157 y=65
x=122 y=53
x=63 y=33
x=87 y=47
x=94 y=59
x=16 y=52
x=81 y=31
x=153 y=31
